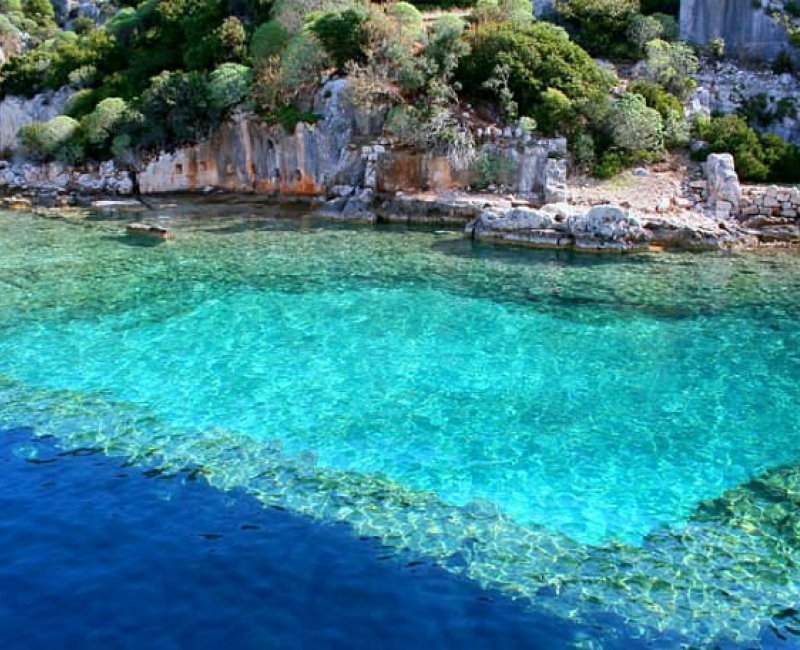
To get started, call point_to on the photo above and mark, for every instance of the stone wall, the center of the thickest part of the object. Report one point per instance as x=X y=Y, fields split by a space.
x=725 y=88
x=772 y=201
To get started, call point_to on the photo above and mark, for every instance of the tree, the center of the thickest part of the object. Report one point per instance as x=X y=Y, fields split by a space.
x=540 y=56
x=99 y=125
x=268 y=40
x=229 y=85
x=343 y=34
x=643 y=29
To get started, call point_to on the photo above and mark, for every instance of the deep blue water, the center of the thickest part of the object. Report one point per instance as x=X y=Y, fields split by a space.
x=96 y=554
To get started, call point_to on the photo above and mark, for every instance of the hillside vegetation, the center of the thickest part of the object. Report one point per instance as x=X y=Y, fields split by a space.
x=160 y=73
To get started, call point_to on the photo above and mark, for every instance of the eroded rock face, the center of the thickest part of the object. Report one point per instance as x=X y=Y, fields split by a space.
x=748 y=30
x=247 y=155
x=602 y=228
x=16 y=112
x=726 y=88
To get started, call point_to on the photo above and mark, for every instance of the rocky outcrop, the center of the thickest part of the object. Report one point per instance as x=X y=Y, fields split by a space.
x=747 y=29
x=606 y=228
x=248 y=155
x=54 y=184
x=345 y=147
x=16 y=112
x=727 y=88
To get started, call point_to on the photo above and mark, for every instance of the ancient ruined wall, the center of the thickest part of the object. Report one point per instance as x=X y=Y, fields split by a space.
x=345 y=148
x=747 y=29
x=248 y=155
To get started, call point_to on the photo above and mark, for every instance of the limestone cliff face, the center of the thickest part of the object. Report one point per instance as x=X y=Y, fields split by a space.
x=344 y=148
x=247 y=155
x=747 y=29
x=16 y=112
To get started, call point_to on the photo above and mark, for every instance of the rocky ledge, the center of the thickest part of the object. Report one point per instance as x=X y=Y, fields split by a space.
x=606 y=228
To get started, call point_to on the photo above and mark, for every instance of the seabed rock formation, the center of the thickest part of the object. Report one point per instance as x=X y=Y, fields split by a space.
x=727 y=574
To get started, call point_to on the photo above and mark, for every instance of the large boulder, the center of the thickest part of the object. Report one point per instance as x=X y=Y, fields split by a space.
x=608 y=227
x=603 y=228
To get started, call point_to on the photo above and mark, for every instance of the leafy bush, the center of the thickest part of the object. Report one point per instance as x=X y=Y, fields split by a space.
x=47 y=140
x=599 y=26
x=635 y=126
x=99 y=125
x=643 y=29
x=343 y=34
x=268 y=40
x=671 y=65
x=176 y=108
x=782 y=158
x=730 y=134
x=610 y=164
x=540 y=57
x=502 y=10
x=289 y=117
x=229 y=85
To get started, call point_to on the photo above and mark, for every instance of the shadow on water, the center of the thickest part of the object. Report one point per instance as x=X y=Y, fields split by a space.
x=136 y=241
x=487 y=251
x=102 y=553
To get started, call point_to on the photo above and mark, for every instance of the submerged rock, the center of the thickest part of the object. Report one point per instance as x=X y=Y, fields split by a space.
x=147 y=230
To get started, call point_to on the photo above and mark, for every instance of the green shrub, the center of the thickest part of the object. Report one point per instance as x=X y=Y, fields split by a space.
x=268 y=40
x=176 y=109
x=343 y=34
x=289 y=117
x=82 y=102
x=599 y=26
x=610 y=164
x=670 y=30
x=540 y=57
x=731 y=134
x=635 y=126
x=782 y=158
x=408 y=18
x=99 y=125
x=48 y=140
x=492 y=168
x=671 y=65
x=229 y=85
x=643 y=29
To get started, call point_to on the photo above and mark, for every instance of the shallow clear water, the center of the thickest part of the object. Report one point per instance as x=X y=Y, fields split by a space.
x=585 y=401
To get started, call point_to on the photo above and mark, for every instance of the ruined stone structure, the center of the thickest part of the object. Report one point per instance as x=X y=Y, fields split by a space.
x=747 y=29
x=346 y=148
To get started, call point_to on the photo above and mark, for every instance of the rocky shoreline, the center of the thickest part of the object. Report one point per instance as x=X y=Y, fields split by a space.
x=721 y=217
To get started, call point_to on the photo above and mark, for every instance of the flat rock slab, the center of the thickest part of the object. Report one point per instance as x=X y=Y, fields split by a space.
x=147 y=230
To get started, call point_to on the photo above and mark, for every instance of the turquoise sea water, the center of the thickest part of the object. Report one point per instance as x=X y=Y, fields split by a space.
x=587 y=408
